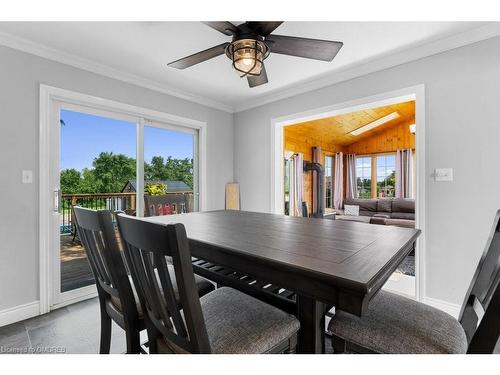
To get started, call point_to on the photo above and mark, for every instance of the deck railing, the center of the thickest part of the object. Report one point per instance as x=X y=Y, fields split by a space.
x=106 y=201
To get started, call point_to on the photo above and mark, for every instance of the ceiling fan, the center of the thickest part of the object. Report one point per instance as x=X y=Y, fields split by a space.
x=251 y=44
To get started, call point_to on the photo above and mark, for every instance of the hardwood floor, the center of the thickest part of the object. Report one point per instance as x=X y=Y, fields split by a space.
x=75 y=269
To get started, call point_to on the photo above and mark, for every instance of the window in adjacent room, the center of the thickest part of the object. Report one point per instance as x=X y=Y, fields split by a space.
x=364 y=176
x=329 y=181
x=386 y=175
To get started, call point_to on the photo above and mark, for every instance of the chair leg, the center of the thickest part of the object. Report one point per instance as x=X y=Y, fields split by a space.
x=105 y=333
x=338 y=344
x=133 y=340
x=153 y=335
x=292 y=346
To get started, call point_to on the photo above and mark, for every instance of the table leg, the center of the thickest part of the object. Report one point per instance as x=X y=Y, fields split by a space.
x=311 y=314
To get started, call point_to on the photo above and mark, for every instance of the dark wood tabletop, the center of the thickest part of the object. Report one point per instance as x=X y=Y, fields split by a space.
x=327 y=262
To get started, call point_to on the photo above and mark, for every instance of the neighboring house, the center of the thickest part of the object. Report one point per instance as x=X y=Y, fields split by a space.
x=172 y=186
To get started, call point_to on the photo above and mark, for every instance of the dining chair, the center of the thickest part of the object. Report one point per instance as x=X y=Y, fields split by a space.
x=223 y=321
x=117 y=296
x=395 y=324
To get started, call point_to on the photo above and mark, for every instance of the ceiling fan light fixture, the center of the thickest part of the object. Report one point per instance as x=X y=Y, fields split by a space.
x=247 y=56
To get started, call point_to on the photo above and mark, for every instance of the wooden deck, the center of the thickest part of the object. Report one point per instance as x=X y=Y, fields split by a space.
x=75 y=268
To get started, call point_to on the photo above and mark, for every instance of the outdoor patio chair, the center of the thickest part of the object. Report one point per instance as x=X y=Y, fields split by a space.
x=395 y=324
x=117 y=296
x=223 y=321
x=157 y=205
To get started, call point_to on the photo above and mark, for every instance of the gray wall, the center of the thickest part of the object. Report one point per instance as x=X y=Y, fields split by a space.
x=20 y=77
x=462 y=131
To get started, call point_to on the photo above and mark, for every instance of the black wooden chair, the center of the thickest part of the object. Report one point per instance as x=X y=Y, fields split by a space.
x=395 y=324
x=223 y=321
x=117 y=296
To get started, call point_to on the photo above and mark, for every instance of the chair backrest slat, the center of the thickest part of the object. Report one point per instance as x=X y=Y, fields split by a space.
x=482 y=301
x=152 y=280
x=166 y=282
x=147 y=246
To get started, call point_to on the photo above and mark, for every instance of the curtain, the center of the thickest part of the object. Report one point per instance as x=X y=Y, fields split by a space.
x=351 y=185
x=316 y=158
x=296 y=184
x=404 y=173
x=338 y=180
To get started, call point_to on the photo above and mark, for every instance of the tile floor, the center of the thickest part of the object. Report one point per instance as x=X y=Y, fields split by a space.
x=72 y=329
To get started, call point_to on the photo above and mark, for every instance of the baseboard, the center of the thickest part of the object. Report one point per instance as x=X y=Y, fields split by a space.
x=18 y=313
x=450 y=308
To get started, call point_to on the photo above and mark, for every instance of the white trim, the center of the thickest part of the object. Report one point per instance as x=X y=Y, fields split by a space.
x=76 y=295
x=18 y=313
x=50 y=95
x=44 y=199
x=139 y=178
x=420 y=195
x=416 y=93
x=412 y=53
x=59 y=56
x=448 y=307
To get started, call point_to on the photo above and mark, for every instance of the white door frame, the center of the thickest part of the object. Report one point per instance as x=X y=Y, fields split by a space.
x=49 y=98
x=416 y=93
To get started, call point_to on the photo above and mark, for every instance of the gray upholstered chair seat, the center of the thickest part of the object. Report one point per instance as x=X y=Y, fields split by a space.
x=239 y=324
x=395 y=324
x=204 y=287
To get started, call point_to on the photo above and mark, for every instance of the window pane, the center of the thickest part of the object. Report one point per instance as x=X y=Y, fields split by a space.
x=363 y=174
x=168 y=171
x=98 y=164
x=329 y=181
x=386 y=172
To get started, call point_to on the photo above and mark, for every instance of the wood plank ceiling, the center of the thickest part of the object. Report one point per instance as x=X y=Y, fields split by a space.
x=336 y=129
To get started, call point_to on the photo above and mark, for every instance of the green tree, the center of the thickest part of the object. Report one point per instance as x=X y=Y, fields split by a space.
x=171 y=169
x=70 y=181
x=88 y=184
x=112 y=171
x=156 y=170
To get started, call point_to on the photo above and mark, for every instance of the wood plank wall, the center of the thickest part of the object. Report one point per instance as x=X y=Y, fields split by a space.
x=387 y=139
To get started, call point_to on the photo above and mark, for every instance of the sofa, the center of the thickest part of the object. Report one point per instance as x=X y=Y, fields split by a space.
x=383 y=211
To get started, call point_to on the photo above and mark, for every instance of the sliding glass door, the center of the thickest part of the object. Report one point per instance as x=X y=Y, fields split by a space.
x=170 y=177
x=107 y=160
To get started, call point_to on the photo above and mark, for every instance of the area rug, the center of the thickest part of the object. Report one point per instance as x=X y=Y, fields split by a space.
x=407 y=266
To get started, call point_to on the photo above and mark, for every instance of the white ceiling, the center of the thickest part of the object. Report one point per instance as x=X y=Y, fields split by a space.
x=142 y=49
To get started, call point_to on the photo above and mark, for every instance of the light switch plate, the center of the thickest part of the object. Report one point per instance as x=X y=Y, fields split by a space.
x=443 y=174
x=27 y=177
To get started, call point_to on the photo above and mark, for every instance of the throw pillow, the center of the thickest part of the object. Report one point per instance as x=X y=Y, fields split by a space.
x=351 y=210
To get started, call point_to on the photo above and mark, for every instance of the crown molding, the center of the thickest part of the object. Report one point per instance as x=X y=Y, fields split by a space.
x=59 y=56
x=487 y=31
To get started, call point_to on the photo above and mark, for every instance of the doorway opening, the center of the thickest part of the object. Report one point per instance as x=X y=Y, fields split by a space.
x=371 y=156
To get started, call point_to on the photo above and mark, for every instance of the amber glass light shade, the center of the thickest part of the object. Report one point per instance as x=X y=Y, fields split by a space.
x=247 y=56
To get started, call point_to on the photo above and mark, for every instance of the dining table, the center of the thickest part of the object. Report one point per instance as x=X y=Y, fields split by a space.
x=326 y=263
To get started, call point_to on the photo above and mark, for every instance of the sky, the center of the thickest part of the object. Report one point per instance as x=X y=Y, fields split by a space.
x=84 y=136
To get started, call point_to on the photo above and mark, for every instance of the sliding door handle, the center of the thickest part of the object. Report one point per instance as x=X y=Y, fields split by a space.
x=57 y=200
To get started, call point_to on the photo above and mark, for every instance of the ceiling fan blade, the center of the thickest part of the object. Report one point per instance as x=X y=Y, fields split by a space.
x=316 y=49
x=263 y=28
x=199 y=57
x=254 y=81
x=224 y=27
